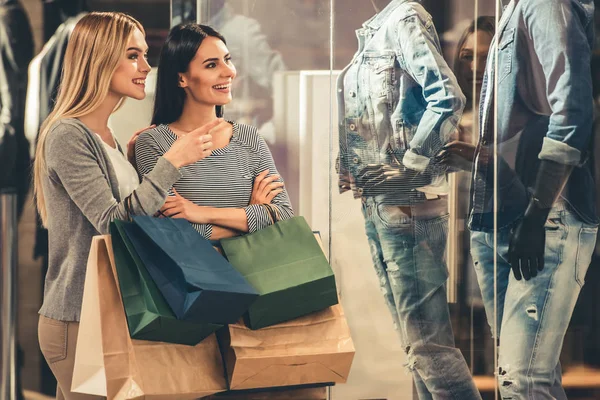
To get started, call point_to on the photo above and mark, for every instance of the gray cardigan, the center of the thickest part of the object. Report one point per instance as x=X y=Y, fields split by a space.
x=82 y=198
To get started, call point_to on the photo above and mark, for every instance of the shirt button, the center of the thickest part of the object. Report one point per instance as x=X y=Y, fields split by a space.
x=352 y=93
x=360 y=190
x=355 y=160
x=352 y=127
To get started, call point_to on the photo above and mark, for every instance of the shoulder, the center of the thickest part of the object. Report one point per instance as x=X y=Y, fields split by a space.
x=68 y=133
x=410 y=10
x=248 y=137
x=157 y=136
x=69 y=139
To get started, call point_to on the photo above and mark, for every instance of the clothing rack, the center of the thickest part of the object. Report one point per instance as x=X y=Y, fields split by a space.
x=8 y=291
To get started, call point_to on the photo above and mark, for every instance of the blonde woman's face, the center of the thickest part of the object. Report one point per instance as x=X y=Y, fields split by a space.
x=129 y=79
x=210 y=74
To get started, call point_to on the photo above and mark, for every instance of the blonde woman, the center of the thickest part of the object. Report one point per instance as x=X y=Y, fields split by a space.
x=83 y=180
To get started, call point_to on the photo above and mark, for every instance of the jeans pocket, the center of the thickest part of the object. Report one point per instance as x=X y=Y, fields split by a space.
x=53 y=336
x=585 y=249
x=393 y=216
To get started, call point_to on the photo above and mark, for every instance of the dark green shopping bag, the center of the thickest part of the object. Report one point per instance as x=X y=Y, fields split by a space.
x=149 y=317
x=286 y=265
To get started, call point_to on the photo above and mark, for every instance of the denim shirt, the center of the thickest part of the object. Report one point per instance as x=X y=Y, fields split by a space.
x=398 y=101
x=544 y=93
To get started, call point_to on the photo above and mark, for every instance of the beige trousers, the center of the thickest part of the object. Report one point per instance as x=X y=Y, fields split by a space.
x=58 y=340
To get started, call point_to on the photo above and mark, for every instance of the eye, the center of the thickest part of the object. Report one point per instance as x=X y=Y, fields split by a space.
x=228 y=60
x=211 y=65
x=133 y=56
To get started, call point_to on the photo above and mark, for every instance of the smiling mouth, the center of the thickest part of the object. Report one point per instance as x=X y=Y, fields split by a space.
x=139 y=81
x=222 y=87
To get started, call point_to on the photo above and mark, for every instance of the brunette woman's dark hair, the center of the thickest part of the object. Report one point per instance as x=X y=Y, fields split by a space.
x=484 y=24
x=175 y=58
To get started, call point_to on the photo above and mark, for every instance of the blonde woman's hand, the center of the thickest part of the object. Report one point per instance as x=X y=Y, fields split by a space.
x=131 y=144
x=193 y=146
x=265 y=188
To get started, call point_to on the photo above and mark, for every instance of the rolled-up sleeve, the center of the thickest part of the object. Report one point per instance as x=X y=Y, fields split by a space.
x=257 y=215
x=422 y=59
x=561 y=44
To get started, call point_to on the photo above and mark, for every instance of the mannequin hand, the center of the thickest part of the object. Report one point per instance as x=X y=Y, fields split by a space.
x=381 y=178
x=131 y=145
x=265 y=188
x=527 y=247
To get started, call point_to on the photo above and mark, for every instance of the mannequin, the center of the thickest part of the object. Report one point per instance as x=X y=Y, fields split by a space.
x=399 y=103
x=16 y=48
x=542 y=217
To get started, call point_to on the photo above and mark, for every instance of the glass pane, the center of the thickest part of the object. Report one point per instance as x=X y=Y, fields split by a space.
x=399 y=228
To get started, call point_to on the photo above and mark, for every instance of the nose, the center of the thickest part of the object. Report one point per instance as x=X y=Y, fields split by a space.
x=229 y=71
x=144 y=66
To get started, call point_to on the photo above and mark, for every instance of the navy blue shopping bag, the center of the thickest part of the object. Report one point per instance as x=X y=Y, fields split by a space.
x=197 y=282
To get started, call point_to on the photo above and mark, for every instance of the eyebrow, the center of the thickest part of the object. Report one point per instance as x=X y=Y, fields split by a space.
x=136 y=48
x=214 y=59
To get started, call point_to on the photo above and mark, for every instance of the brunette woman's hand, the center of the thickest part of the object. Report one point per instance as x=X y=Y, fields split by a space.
x=178 y=207
x=265 y=188
x=193 y=146
x=131 y=144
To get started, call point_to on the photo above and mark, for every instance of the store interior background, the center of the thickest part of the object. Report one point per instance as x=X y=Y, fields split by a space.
x=300 y=31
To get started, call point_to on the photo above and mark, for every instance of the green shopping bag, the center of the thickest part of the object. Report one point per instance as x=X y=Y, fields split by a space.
x=149 y=317
x=286 y=265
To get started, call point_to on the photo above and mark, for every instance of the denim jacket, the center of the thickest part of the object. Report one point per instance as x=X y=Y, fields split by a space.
x=399 y=102
x=544 y=92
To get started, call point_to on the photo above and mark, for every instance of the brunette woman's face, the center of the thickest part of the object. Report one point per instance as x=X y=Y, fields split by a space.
x=210 y=74
x=472 y=60
x=129 y=79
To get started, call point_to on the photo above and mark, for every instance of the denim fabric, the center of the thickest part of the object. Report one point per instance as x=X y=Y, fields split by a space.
x=544 y=91
x=408 y=253
x=398 y=100
x=532 y=316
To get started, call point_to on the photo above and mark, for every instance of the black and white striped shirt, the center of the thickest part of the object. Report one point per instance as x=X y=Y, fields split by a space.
x=224 y=179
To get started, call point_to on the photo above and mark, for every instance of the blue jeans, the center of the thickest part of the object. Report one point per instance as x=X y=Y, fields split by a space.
x=408 y=245
x=533 y=316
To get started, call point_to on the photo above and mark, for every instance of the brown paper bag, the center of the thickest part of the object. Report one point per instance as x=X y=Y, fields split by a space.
x=316 y=348
x=136 y=369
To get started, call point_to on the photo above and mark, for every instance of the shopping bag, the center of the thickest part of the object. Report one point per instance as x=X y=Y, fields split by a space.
x=149 y=317
x=109 y=363
x=286 y=265
x=196 y=281
x=316 y=348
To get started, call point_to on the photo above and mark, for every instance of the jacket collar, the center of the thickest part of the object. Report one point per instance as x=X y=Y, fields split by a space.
x=379 y=19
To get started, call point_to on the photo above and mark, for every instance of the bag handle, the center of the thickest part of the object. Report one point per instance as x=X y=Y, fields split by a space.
x=272 y=212
x=129 y=206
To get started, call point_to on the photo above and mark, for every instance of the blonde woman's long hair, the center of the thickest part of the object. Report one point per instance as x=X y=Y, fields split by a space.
x=96 y=46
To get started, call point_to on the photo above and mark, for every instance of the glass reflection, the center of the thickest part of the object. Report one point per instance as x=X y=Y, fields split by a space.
x=533 y=217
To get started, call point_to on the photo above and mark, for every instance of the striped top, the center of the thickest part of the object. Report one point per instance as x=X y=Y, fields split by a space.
x=224 y=179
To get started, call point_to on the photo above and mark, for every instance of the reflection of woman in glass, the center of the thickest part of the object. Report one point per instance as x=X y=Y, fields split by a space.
x=399 y=103
x=469 y=66
x=221 y=195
